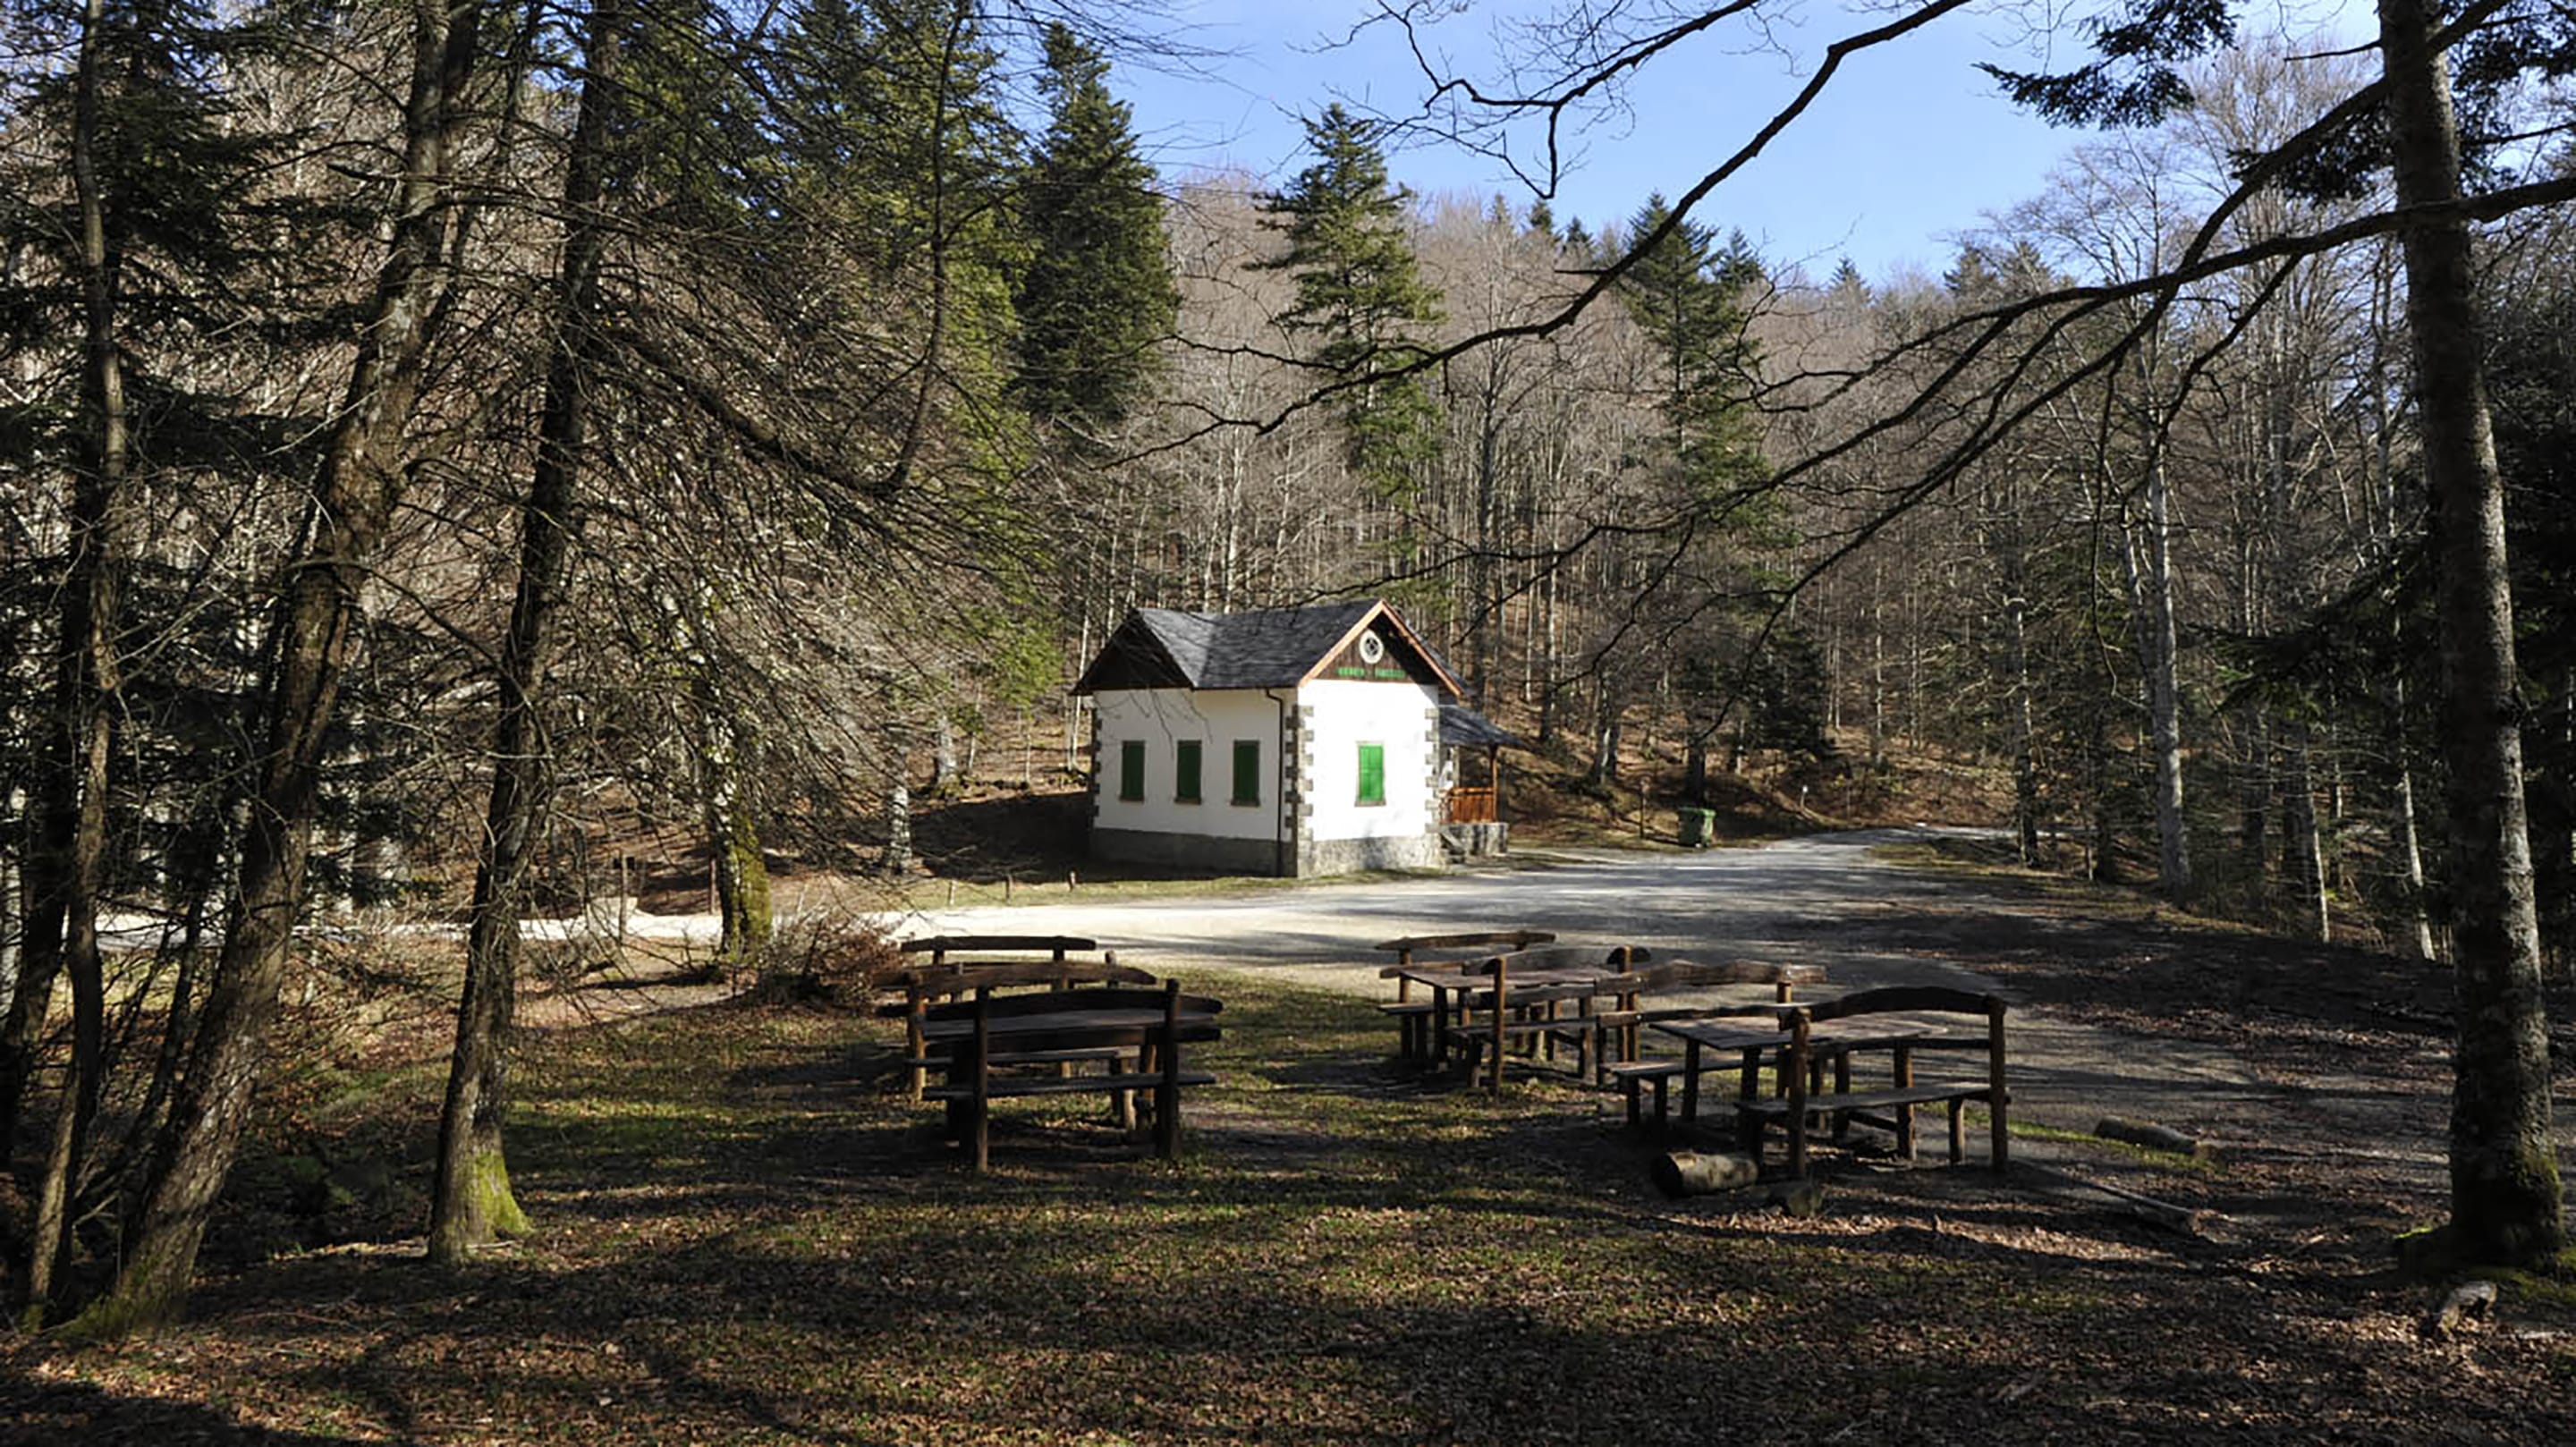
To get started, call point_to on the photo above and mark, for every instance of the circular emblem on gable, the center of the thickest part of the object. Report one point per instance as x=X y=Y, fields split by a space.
x=1372 y=648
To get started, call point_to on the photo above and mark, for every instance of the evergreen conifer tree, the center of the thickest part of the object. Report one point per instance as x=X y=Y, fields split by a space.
x=1687 y=293
x=1098 y=294
x=1360 y=293
x=897 y=155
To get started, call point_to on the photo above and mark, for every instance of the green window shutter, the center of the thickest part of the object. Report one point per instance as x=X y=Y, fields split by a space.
x=1185 y=771
x=1247 y=771
x=1372 y=773
x=1131 y=769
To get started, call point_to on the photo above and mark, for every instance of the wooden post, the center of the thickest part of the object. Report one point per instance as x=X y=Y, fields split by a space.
x=1842 y=1086
x=915 y=1046
x=1587 y=1064
x=979 y=1127
x=1795 y=1068
x=1905 y=1109
x=1495 y=1085
x=1167 y=1096
x=1440 y=1027
x=1063 y=1068
x=2002 y=1147
x=1690 y=1081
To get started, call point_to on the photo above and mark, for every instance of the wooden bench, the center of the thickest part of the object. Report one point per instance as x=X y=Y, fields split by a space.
x=1633 y=1076
x=1413 y=1017
x=1109 y=1023
x=1892 y=1108
x=961 y=964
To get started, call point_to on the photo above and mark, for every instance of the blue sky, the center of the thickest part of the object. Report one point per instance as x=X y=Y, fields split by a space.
x=1909 y=147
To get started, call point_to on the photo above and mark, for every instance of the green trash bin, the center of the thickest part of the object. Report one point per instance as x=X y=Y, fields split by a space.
x=1698 y=828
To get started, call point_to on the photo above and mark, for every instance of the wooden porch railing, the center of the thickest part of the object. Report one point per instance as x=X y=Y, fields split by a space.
x=1475 y=806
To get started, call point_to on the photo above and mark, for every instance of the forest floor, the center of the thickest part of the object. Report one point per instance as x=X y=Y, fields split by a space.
x=745 y=1234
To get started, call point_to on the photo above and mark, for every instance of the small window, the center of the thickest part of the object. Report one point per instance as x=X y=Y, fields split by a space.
x=1185 y=771
x=1131 y=770
x=1247 y=771
x=1372 y=773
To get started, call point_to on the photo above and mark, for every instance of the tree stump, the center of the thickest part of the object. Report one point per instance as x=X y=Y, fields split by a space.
x=2466 y=1306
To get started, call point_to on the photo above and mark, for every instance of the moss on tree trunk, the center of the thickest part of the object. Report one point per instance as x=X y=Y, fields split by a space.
x=742 y=890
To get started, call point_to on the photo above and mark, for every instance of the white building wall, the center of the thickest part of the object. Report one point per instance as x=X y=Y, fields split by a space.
x=1342 y=715
x=1161 y=718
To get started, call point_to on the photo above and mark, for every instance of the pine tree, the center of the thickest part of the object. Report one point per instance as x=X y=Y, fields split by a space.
x=1098 y=294
x=1360 y=293
x=896 y=156
x=1687 y=293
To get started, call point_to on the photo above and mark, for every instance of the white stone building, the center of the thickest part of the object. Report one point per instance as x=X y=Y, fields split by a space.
x=1292 y=741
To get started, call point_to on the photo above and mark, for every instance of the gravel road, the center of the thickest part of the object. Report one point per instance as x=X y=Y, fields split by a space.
x=1824 y=900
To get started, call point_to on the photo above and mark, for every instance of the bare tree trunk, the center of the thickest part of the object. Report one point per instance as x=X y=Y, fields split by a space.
x=13 y=803
x=2164 y=694
x=733 y=838
x=1877 y=663
x=944 y=773
x=314 y=638
x=2024 y=730
x=2415 y=924
x=2254 y=797
x=2304 y=852
x=471 y=1203
x=75 y=787
x=2505 y=1203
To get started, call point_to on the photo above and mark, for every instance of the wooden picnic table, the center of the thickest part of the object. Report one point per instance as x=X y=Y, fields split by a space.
x=1072 y=1028
x=1415 y=1018
x=962 y=964
x=1068 y=1025
x=1749 y=1043
x=1892 y=1019
x=1499 y=984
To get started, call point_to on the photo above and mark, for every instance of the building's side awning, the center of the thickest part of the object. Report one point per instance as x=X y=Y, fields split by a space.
x=1462 y=726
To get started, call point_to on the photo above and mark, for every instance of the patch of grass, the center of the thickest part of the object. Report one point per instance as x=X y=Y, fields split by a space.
x=2166 y=1160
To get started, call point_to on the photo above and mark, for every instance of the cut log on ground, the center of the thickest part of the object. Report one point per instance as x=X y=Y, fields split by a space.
x=2149 y=1134
x=1697 y=1173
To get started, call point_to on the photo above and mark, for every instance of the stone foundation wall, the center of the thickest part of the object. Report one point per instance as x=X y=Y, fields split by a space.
x=1346 y=856
x=1189 y=851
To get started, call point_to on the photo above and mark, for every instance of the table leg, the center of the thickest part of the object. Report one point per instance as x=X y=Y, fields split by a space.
x=1167 y=1107
x=1842 y=1086
x=1690 y=1082
x=1796 y=1067
x=1905 y=1113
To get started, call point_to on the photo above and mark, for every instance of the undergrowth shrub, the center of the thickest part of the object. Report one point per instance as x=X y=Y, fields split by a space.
x=837 y=958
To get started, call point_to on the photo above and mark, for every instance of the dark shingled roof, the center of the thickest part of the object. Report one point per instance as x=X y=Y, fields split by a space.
x=1269 y=648
x=1461 y=726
